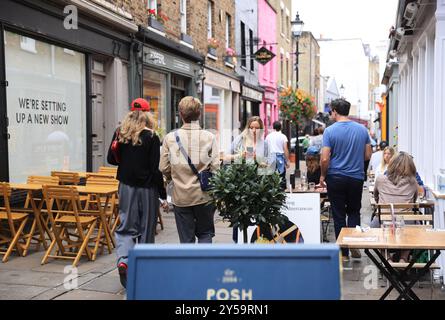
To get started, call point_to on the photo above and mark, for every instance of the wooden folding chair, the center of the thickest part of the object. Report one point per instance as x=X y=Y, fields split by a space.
x=12 y=226
x=409 y=211
x=108 y=170
x=66 y=178
x=39 y=202
x=112 y=209
x=72 y=229
x=413 y=217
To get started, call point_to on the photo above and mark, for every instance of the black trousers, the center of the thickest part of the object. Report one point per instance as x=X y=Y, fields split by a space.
x=195 y=222
x=345 y=195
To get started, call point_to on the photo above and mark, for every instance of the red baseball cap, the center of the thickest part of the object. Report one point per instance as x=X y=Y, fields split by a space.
x=140 y=104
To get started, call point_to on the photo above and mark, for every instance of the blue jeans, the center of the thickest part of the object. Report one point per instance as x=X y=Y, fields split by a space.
x=345 y=195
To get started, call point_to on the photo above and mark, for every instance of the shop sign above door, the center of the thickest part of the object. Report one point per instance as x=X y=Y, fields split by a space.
x=263 y=55
x=161 y=59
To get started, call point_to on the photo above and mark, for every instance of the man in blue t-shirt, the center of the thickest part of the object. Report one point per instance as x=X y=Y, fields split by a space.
x=346 y=147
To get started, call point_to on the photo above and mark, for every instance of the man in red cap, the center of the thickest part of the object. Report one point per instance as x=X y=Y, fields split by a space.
x=140 y=104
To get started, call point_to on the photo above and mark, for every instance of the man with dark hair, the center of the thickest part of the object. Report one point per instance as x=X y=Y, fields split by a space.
x=277 y=144
x=346 y=146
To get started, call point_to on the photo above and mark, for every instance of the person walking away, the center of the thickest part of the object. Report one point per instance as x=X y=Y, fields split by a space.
x=140 y=182
x=193 y=213
x=346 y=146
x=376 y=158
x=277 y=144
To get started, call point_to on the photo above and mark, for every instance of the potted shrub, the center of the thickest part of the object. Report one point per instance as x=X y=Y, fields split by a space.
x=212 y=45
x=246 y=198
x=156 y=20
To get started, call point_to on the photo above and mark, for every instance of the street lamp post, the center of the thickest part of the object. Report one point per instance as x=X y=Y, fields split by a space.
x=342 y=91
x=297 y=28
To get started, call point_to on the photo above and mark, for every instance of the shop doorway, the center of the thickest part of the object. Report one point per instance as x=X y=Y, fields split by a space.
x=178 y=85
x=98 y=123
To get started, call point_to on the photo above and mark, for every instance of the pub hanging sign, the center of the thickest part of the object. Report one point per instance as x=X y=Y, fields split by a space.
x=263 y=55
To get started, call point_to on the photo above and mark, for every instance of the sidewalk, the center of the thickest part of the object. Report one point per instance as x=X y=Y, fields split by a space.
x=25 y=278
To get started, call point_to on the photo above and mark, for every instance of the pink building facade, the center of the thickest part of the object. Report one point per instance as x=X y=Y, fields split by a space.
x=267 y=74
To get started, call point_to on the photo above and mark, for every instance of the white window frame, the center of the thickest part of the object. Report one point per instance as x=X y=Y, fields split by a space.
x=183 y=13
x=228 y=18
x=28 y=44
x=153 y=4
x=209 y=20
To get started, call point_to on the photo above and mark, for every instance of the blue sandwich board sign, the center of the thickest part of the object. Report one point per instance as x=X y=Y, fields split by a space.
x=233 y=272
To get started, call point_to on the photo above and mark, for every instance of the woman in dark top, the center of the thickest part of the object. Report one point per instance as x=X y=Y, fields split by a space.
x=141 y=182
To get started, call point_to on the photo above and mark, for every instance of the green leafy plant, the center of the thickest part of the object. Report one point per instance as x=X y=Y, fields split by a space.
x=245 y=198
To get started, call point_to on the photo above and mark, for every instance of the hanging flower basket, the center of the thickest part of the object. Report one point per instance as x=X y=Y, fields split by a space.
x=297 y=106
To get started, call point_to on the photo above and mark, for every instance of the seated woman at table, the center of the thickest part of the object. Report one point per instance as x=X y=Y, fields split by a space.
x=313 y=165
x=388 y=154
x=397 y=185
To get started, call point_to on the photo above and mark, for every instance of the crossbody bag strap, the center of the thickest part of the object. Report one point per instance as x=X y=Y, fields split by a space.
x=184 y=153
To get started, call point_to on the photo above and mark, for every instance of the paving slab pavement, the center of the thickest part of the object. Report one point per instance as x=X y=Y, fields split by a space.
x=25 y=278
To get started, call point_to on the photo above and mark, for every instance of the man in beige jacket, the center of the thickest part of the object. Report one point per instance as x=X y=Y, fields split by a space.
x=193 y=214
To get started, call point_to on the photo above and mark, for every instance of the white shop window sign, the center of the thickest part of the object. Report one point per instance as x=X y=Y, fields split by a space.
x=46 y=108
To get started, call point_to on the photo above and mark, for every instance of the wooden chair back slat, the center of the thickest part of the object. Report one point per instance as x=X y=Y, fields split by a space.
x=66 y=178
x=108 y=170
x=48 y=180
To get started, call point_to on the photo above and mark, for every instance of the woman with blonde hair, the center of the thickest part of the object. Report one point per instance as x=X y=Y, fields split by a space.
x=140 y=181
x=388 y=154
x=250 y=144
x=397 y=185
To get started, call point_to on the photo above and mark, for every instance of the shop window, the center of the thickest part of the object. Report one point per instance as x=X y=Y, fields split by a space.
x=155 y=92
x=228 y=31
x=209 y=20
x=212 y=103
x=46 y=107
x=243 y=44
x=252 y=65
x=183 y=12
x=152 y=4
x=268 y=115
x=28 y=44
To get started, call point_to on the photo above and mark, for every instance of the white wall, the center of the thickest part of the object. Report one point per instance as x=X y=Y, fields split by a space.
x=416 y=106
